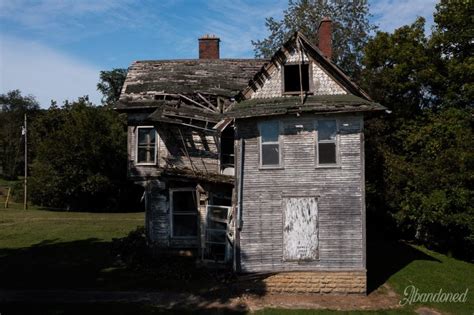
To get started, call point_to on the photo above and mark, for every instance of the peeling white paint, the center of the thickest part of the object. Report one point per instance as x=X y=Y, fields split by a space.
x=300 y=231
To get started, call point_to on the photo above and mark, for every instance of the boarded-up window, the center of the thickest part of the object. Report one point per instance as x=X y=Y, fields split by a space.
x=327 y=144
x=146 y=145
x=300 y=231
x=270 y=145
x=184 y=213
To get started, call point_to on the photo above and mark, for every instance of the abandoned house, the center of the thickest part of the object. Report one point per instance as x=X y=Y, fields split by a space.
x=255 y=163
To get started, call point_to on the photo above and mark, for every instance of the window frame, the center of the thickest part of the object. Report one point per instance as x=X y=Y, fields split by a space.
x=155 y=156
x=335 y=141
x=279 y=142
x=172 y=214
x=310 y=78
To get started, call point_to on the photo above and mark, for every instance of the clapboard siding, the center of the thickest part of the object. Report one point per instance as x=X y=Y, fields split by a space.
x=158 y=213
x=339 y=191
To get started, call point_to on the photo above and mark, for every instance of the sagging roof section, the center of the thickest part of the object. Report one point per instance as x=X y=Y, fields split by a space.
x=293 y=105
x=220 y=77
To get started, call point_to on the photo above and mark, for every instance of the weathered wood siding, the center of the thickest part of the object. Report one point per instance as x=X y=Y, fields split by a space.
x=174 y=144
x=157 y=213
x=339 y=193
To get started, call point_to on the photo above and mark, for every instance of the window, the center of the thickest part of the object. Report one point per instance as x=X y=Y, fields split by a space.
x=146 y=145
x=227 y=147
x=270 y=145
x=217 y=244
x=327 y=142
x=184 y=213
x=292 y=78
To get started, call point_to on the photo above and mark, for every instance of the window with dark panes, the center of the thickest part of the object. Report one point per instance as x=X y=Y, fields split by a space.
x=327 y=144
x=270 y=145
x=292 y=78
x=227 y=147
x=184 y=213
x=146 y=145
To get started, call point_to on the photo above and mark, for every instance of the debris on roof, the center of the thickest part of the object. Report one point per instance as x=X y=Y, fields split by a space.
x=219 y=77
x=292 y=104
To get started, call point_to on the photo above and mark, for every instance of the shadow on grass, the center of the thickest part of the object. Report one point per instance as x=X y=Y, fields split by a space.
x=91 y=265
x=104 y=308
x=53 y=264
x=387 y=257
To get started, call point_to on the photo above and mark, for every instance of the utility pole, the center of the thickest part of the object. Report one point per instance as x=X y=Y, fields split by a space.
x=25 y=199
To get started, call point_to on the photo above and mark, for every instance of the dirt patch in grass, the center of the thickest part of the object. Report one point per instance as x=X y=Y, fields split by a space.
x=427 y=311
x=382 y=299
x=221 y=301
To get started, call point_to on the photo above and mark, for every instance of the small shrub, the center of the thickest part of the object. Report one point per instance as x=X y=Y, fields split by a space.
x=132 y=250
x=134 y=253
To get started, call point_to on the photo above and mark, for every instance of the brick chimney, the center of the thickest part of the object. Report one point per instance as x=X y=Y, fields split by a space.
x=325 y=37
x=209 y=47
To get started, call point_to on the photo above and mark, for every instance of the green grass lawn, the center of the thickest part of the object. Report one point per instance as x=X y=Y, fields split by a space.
x=20 y=228
x=42 y=249
x=438 y=272
x=51 y=249
x=402 y=265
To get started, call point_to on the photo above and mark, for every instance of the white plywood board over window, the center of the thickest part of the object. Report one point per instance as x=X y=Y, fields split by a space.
x=300 y=230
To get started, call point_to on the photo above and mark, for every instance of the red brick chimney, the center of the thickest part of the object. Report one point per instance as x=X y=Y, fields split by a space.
x=325 y=37
x=209 y=47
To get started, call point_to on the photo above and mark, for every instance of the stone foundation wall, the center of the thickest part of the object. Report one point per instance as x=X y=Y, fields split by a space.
x=321 y=282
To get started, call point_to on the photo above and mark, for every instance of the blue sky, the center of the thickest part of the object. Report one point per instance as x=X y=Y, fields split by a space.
x=54 y=49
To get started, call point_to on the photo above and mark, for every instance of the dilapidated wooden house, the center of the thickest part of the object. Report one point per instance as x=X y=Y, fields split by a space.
x=255 y=163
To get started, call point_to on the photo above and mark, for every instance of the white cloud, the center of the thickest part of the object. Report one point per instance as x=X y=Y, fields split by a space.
x=45 y=73
x=64 y=20
x=392 y=14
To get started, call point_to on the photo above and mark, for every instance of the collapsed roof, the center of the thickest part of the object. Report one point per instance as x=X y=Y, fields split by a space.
x=218 y=77
x=210 y=90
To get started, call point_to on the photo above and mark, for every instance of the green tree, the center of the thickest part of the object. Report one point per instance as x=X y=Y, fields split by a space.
x=81 y=157
x=419 y=159
x=110 y=85
x=351 y=29
x=452 y=42
x=397 y=69
x=13 y=107
x=428 y=179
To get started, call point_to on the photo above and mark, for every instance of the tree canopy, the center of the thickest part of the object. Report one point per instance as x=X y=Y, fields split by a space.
x=351 y=29
x=110 y=85
x=419 y=158
x=81 y=157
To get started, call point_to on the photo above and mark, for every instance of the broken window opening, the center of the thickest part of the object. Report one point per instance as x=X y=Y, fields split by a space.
x=146 y=145
x=184 y=213
x=227 y=148
x=270 y=143
x=221 y=199
x=292 y=78
x=218 y=247
x=327 y=142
